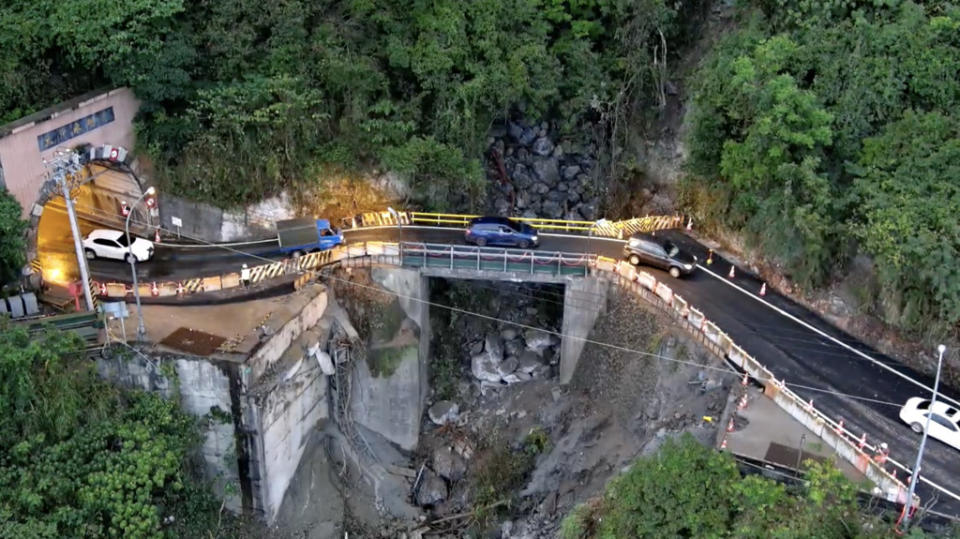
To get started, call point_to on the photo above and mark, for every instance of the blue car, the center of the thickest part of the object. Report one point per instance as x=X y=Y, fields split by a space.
x=501 y=231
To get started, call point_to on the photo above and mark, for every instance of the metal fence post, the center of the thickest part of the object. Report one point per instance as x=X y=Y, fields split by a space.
x=504 y=260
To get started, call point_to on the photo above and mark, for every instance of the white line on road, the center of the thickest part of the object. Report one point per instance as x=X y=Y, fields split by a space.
x=824 y=334
x=848 y=347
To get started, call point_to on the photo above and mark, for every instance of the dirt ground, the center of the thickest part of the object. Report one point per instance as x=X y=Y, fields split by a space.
x=621 y=405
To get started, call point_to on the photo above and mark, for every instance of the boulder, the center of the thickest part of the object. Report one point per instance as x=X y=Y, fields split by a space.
x=493 y=347
x=528 y=362
x=537 y=341
x=551 y=209
x=528 y=136
x=443 y=412
x=570 y=172
x=513 y=347
x=517 y=377
x=589 y=211
x=502 y=206
x=542 y=146
x=546 y=170
x=432 y=489
x=529 y=214
x=476 y=347
x=562 y=187
x=448 y=464
x=484 y=368
x=522 y=177
x=540 y=188
x=573 y=196
x=508 y=334
x=507 y=366
x=556 y=196
x=515 y=131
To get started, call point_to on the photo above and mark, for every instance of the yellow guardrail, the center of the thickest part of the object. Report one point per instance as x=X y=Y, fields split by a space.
x=601 y=228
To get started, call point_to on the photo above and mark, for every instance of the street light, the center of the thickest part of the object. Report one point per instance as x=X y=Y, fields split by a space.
x=923 y=441
x=132 y=258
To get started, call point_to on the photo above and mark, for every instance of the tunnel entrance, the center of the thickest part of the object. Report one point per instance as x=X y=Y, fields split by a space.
x=97 y=201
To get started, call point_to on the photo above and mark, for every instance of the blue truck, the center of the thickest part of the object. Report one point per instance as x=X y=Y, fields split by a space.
x=300 y=236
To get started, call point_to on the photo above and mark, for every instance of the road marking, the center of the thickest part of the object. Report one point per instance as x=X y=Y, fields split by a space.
x=850 y=348
x=823 y=334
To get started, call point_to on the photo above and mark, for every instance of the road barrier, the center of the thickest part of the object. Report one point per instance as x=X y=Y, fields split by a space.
x=602 y=227
x=831 y=432
x=641 y=283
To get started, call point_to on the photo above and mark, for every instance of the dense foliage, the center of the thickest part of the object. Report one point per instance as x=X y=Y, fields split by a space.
x=688 y=490
x=13 y=245
x=828 y=128
x=243 y=98
x=80 y=458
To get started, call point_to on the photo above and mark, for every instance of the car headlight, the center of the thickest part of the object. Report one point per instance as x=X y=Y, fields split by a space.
x=688 y=267
x=536 y=238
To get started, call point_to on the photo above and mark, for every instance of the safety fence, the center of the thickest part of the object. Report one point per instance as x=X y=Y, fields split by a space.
x=645 y=285
x=602 y=227
x=464 y=257
x=855 y=450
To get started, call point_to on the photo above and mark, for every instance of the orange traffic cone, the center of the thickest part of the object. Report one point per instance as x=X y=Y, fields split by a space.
x=154 y=290
x=710 y=257
x=730 y=425
x=156 y=236
x=840 y=428
x=690 y=224
x=745 y=380
x=863 y=440
x=723 y=444
x=763 y=290
x=732 y=271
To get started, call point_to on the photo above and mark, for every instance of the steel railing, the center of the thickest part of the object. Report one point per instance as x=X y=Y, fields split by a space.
x=468 y=257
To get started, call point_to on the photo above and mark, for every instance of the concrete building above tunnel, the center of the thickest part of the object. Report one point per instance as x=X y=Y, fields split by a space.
x=104 y=117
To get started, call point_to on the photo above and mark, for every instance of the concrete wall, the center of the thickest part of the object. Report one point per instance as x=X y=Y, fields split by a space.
x=289 y=413
x=283 y=398
x=202 y=385
x=21 y=159
x=392 y=405
x=209 y=223
x=584 y=298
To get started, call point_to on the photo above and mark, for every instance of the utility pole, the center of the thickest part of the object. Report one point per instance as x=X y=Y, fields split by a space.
x=64 y=164
x=923 y=442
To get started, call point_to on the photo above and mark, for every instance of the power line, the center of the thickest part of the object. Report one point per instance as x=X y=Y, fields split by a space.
x=726 y=370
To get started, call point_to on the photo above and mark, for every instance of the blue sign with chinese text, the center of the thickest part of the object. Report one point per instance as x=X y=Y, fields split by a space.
x=75 y=129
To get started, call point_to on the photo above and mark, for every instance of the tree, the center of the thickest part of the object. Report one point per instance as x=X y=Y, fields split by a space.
x=81 y=458
x=13 y=245
x=689 y=490
x=906 y=199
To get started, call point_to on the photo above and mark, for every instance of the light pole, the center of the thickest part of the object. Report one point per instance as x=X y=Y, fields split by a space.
x=64 y=164
x=132 y=258
x=923 y=441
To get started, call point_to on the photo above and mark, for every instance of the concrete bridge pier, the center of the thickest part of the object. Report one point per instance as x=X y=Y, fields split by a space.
x=584 y=298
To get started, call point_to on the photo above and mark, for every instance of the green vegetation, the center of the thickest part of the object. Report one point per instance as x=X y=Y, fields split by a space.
x=501 y=471
x=242 y=99
x=688 y=490
x=824 y=129
x=81 y=458
x=13 y=246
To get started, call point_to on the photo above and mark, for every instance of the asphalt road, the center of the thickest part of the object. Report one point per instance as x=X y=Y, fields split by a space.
x=841 y=383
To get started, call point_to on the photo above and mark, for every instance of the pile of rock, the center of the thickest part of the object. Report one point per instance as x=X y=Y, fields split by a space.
x=508 y=357
x=436 y=480
x=542 y=180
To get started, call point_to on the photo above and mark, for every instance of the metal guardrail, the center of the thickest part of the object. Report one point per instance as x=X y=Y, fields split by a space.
x=832 y=433
x=468 y=257
x=602 y=227
x=86 y=325
x=642 y=283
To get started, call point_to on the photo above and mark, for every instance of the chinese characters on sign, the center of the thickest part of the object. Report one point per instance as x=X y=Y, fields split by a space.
x=75 y=129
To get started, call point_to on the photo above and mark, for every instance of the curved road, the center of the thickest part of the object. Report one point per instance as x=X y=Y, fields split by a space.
x=814 y=366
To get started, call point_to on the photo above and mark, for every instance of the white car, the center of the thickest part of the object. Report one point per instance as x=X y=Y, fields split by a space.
x=104 y=243
x=944 y=419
